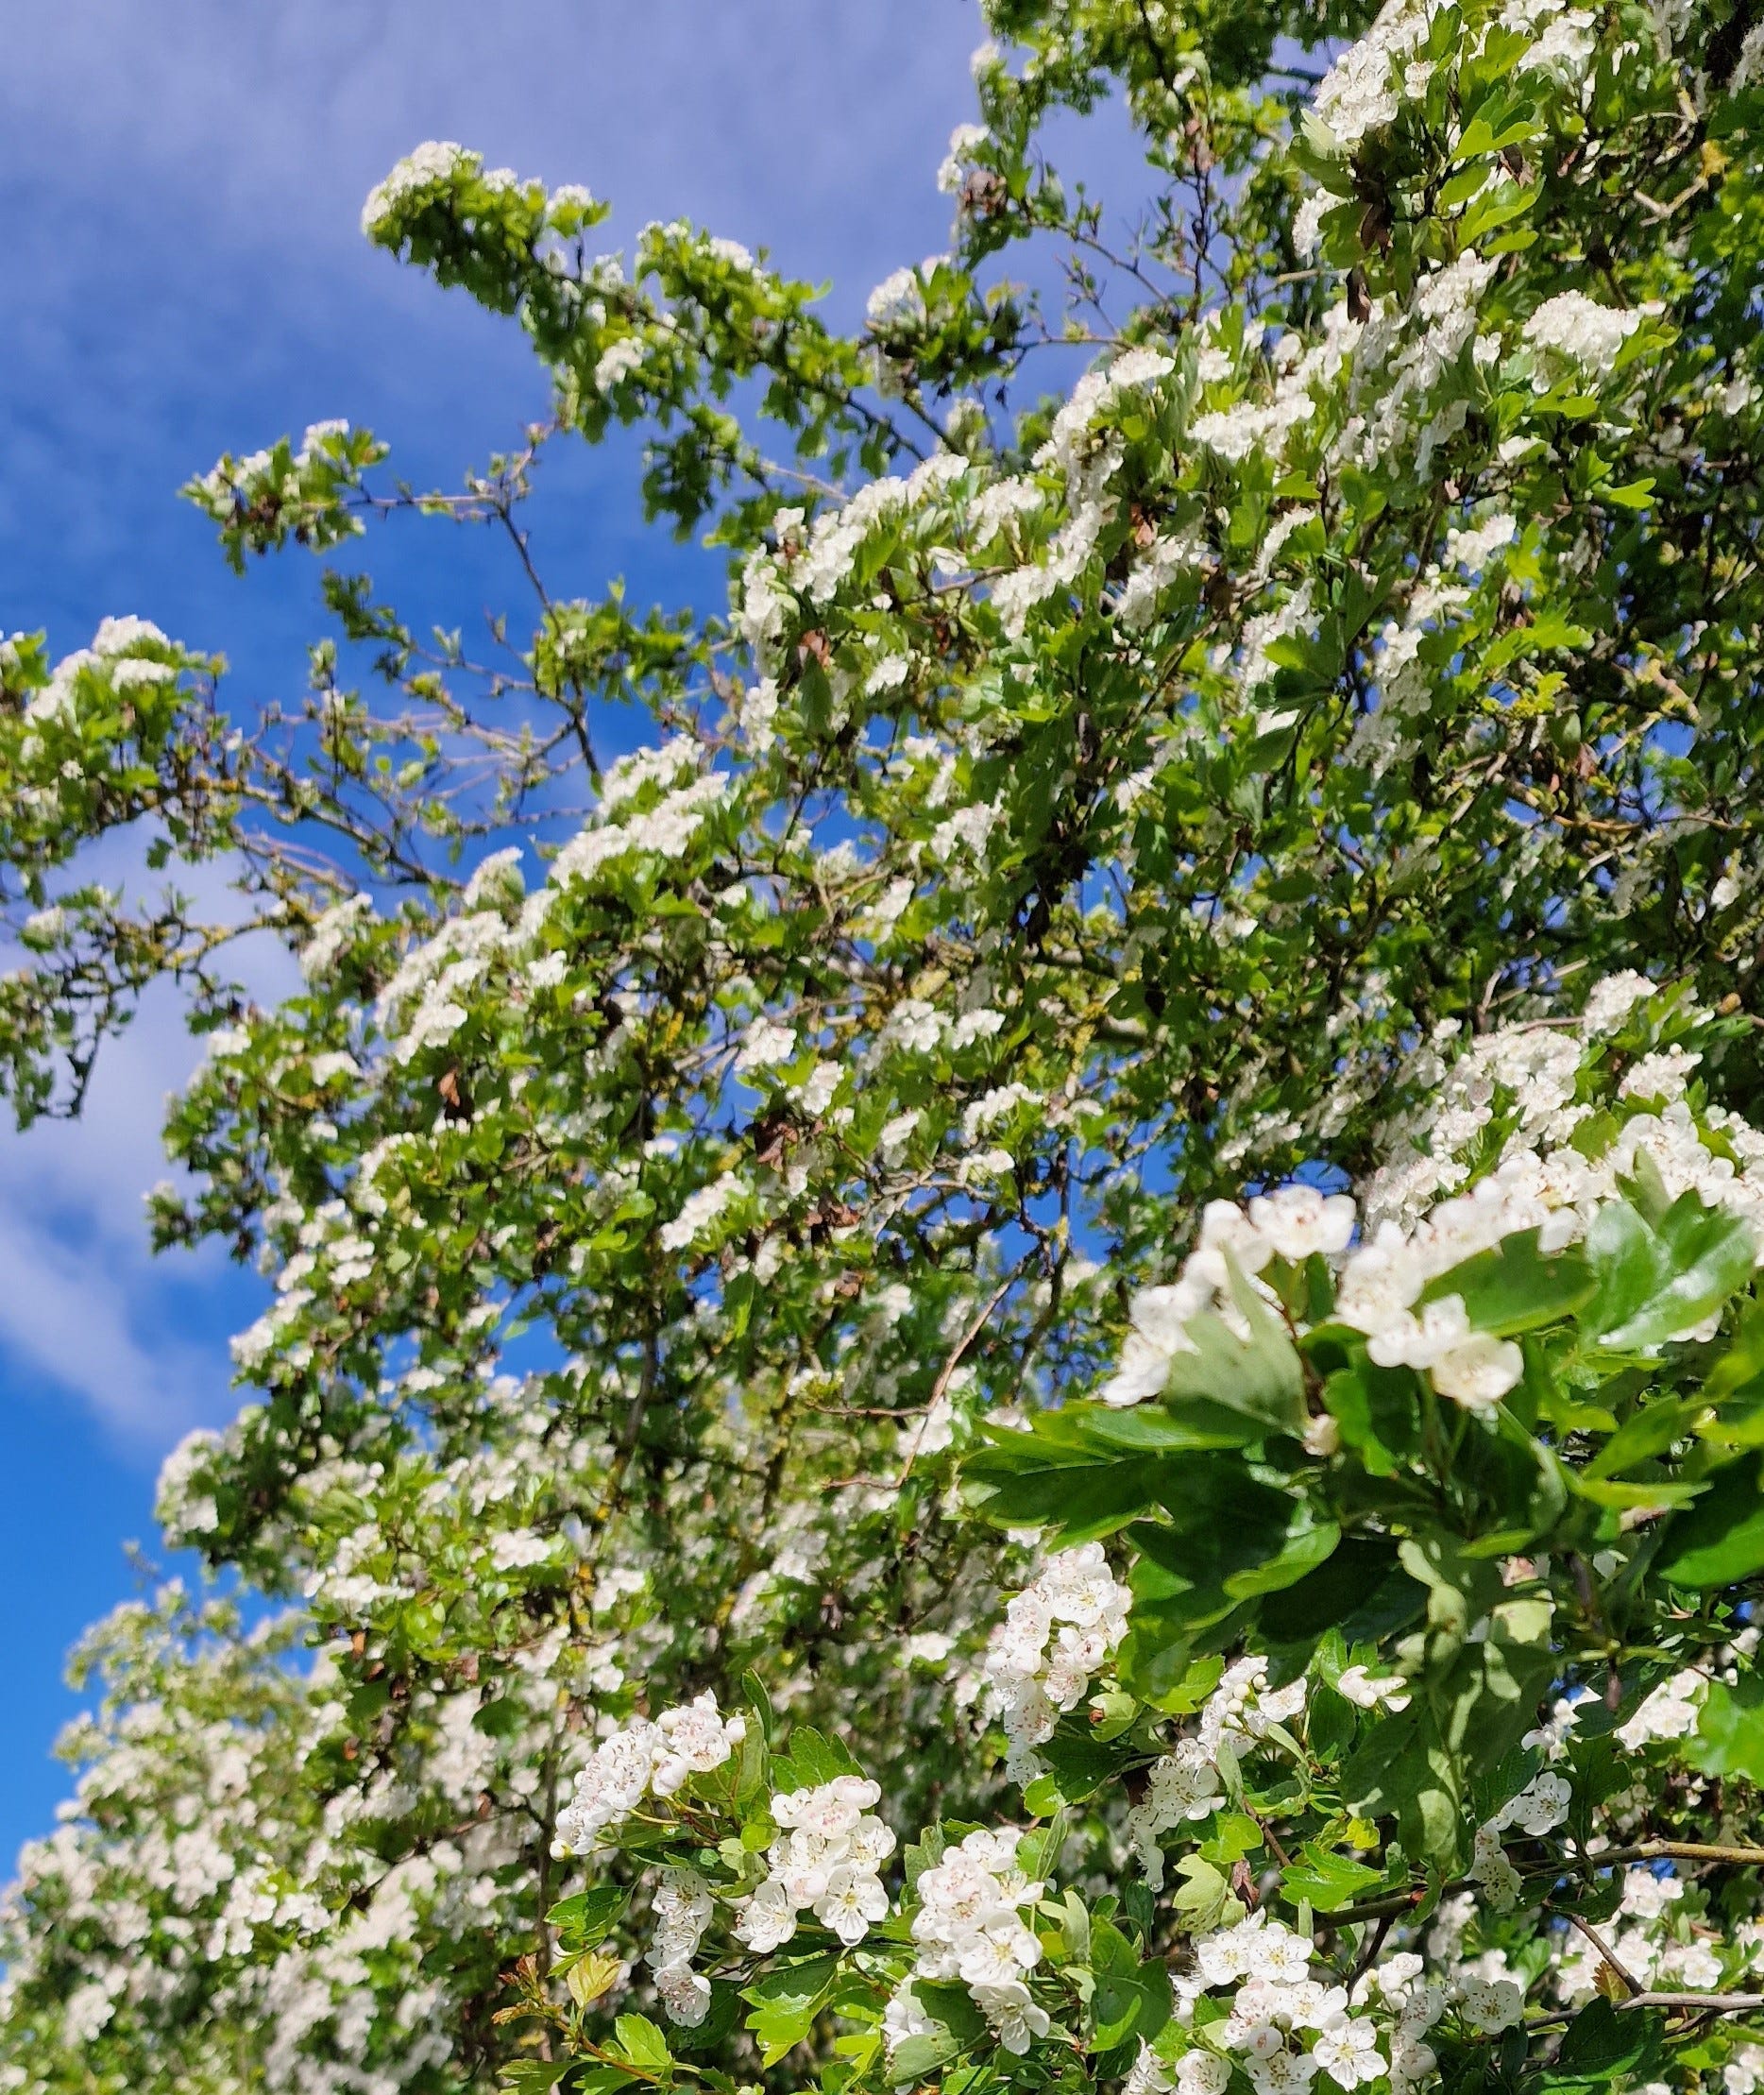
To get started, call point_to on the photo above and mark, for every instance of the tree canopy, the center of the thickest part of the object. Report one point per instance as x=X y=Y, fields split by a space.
x=1033 y=1356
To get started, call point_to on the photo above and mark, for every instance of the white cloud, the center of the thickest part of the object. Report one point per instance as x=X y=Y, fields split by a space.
x=139 y=1340
x=82 y=1303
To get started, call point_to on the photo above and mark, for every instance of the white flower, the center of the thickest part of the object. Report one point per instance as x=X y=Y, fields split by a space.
x=1551 y=1735
x=1540 y=1806
x=1491 y=2005
x=616 y=363
x=511 y=1551
x=1347 y=2053
x=1743 y=2075
x=1473 y=548
x=1297 y=1221
x=769 y=1920
x=1480 y=1371
x=1419 y=1341
x=852 y=1901
x=1365 y=89
x=699 y=1210
x=433 y=162
x=1359 y=1687
x=964 y=141
x=1647 y=1895
x=896 y=299
x=1280 y=1955
x=1692 y=1964
x=1491 y=1868
x=1027 y=1682
x=1201 y=2073
x=1184 y=1785
x=1015 y=2019
x=685 y=1994
x=1581 y=330
x=765 y=1044
x=1669 y=1713
x=1283 y=2074
x=694 y=1741
x=903 y=2018
x=1147 y=2075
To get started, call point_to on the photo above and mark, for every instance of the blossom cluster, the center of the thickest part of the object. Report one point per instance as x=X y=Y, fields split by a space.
x=1544 y=1178
x=1382 y=1283
x=970 y=1926
x=1539 y=1088
x=1244 y=1707
x=641 y=1759
x=1056 y=1634
x=682 y=1910
x=1180 y=1785
x=1285 y=2025
x=1539 y=1808
x=288 y=490
x=1186 y=1783
x=827 y=1860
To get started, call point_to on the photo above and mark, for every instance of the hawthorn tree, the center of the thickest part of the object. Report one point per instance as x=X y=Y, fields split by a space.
x=1035 y=1359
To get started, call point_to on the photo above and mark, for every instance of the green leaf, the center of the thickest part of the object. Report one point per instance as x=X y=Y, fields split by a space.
x=1328 y=1881
x=1228 y=1539
x=753 y=1694
x=1729 y=1738
x=534 y=2076
x=1155 y=1428
x=1719 y=1540
x=1654 y=1281
x=919 y=2057
x=1489 y=133
x=811 y=1761
x=638 y=2043
x=949 y=2002
x=1131 y=1999
x=786 y=2002
x=1626 y=1263
x=1077 y=1762
x=1031 y=1480
x=1400 y=1771
x=597 y=2080
x=1348 y=1581
x=588 y=1917
x=1306 y=1546
x=1234 y=1835
x=720 y=2019
x=1602 y=2047
x=1645 y=1434
x=1204 y=1898
x=1262 y=1376
x=1515 y=1287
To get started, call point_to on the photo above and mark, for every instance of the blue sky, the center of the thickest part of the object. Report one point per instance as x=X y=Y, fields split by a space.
x=180 y=195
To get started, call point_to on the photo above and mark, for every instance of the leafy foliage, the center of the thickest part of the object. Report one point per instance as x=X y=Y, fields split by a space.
x=1032 y=1357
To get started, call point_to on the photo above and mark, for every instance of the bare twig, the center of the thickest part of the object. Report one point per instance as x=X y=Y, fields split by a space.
x=950 y=1365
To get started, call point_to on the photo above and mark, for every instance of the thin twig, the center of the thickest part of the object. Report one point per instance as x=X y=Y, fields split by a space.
x=1632 y=1985
x=1399 y=1903
x=949 y=1368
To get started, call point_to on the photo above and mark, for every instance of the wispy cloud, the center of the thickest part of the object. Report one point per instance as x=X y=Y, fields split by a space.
x=85 y=1307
